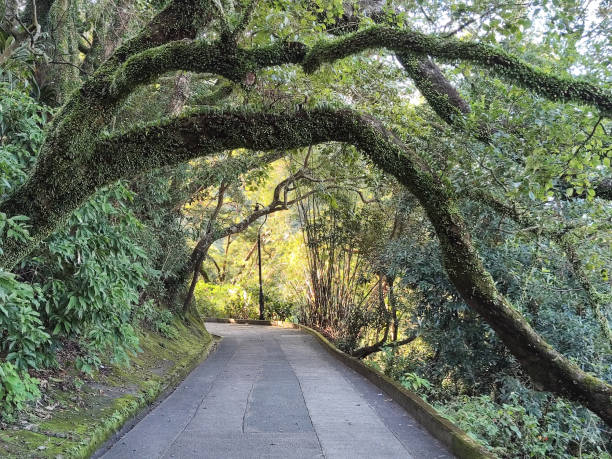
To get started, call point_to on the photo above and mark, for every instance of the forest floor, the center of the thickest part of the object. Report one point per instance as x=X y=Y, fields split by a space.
x=77 y=414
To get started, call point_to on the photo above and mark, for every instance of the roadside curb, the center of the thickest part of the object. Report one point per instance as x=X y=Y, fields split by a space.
x=455 y=439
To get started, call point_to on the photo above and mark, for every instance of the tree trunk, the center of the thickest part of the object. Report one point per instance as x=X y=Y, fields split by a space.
x=393 y=304
x=363 y=352
x=197 y=257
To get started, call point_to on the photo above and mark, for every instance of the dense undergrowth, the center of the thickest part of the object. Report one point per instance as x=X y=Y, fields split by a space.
x=96 y=285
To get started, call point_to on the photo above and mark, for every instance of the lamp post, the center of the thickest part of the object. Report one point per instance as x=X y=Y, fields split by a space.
x=261 y=296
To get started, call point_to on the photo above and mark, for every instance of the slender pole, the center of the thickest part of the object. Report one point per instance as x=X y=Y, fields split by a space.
x=261 y=296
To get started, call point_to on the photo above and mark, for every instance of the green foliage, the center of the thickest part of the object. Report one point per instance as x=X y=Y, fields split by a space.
x=510 y=430
x=91 y=273
x=23 y=335
x=225 y=300
x=87 y=280
x=414 y=382
x=21 y=134
x=24 y=338
x=340 y=234
x=17 y=64
x=275 y=306
x=14 y=228
x=16 y=387
x=156 y=319
x=163 y=234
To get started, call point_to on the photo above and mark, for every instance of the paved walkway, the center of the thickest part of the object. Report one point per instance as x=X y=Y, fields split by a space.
x=274 y=392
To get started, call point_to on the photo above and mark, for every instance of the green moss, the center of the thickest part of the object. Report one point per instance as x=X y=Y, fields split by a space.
x=31 y=444
x=77 y=427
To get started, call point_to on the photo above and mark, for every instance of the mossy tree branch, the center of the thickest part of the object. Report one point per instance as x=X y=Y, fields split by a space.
x=235 y=62
x=203 y=133
x=220 y=58
x=452 y=50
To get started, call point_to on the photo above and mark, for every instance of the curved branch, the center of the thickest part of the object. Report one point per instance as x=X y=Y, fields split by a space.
x=202 y=133
x=363 y=352
x=548 y=368
x=235 y=63
x=219 y=58
x=494 y=59
x=179 y=20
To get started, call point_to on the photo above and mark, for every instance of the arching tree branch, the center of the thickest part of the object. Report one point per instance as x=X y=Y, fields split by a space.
x=203 y=133
x=234 y=63
x=494 y=59
x=365 y=351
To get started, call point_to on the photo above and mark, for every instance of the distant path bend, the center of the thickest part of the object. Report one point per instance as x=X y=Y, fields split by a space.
x=272 y=392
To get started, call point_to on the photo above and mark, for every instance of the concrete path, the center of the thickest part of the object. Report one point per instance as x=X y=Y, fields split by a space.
x=274 y=392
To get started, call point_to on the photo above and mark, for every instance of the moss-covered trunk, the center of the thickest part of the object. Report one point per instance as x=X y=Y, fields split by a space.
x=548 y=369
x=183 y=138
x=77 y=159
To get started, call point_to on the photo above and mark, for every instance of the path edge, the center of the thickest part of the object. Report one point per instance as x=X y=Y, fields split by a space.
x=125 y=421
x=455 y=439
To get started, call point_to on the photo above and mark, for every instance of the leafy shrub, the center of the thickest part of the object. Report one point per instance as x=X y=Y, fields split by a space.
x=23 y=335
x=91 y=277
x=21 y=133
x=156 y=319
x=275 y=306
x=225 y=300
x=16 y=387
x=24 y=338
x=510 y=431
x=414 y=382
x=85 y=283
